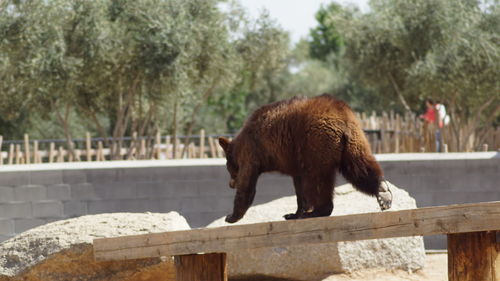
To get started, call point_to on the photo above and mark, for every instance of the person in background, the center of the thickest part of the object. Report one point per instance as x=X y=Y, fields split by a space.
x=430 y=114
x=436 y=114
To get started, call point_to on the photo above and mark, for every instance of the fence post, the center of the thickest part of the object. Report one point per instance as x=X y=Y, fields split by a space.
x=51 y=152
x=27 y=149
x=100 y=154
x=36 y=154
x=397 y=132
x=485 y=147
x=158 y=146
x=11 y=154
x=212 y=147
x=176 y=150
x=167 y=148
x=18 y=154
x=1 y=153
x=60 y=154
x=142 y=149
x=88 y=147
x=202 y=143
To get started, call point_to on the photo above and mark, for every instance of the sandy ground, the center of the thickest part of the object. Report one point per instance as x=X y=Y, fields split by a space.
x=436 y=269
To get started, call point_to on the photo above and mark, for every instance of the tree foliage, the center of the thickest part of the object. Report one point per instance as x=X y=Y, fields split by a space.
x=131 y=66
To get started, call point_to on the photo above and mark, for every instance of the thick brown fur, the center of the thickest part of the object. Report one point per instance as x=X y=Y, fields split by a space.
x=309 y=139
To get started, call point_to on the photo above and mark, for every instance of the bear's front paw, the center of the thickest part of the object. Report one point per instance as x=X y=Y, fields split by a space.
x=291 y=216
x=232 y=219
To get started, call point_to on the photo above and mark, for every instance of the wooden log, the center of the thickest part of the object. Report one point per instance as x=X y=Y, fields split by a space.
x=205 y=267
x=27 y=154
x=413 y=222
x=202 y=144
x=474 y=256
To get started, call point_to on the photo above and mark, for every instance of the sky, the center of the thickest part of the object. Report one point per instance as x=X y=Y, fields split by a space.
x=295 y=16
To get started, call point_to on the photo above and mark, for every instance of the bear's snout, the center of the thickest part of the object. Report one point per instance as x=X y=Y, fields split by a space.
x=232 y=183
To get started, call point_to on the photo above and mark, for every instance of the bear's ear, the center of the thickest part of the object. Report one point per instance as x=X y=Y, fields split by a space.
x=224 y=143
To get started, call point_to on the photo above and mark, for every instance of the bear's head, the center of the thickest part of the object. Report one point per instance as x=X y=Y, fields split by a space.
x=231 y=164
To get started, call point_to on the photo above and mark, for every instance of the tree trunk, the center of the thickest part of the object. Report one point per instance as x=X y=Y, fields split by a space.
x=208 y=93
x=174 y=130
x=67 y=132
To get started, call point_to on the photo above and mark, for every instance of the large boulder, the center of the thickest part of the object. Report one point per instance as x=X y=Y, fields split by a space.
x=62 y=250
x=316 y=261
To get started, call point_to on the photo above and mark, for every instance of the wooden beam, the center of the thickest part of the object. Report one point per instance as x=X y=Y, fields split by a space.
x=473 y=256
x=206 y=267
x=423 y=221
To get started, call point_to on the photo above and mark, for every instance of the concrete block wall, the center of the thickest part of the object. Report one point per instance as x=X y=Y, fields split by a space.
x=32 y=195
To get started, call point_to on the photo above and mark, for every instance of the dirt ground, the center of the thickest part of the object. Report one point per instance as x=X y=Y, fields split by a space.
x=436 y=269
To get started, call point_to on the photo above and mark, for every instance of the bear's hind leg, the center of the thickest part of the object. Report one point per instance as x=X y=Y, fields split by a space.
x=301 y=202
x=319 y=192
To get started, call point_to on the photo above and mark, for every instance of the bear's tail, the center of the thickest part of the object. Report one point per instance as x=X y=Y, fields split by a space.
x=358 y=165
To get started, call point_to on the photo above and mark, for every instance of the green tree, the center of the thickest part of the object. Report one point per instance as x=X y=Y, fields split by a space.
x=325 y=39
x=409 y=50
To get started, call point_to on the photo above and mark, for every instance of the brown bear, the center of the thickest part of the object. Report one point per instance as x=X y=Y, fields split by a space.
x=309 y=139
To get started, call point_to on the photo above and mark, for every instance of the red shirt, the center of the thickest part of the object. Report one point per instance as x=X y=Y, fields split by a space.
x=430 y=115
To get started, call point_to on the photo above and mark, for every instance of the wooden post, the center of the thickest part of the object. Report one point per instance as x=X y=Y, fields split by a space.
x=1 y=153
x=212 y=147
x=142 y=149
x=36 y=153
x=176 y=150
x=27 y=155
x=11 y=154
x=51 y=152
x=18 y=154
x=168 y=148
x=205 y=267
x=88 y=147
x=485 y=147
x=157 y=147
x=202 y=143
x=474 y=256
x=60 y=154
x=100 y=153
x=397 y=132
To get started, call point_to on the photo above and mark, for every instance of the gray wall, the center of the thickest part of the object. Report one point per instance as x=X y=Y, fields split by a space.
x=35 y=195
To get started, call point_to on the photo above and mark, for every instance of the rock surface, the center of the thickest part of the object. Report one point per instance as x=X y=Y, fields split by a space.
x=314 y=262
x=62 y=250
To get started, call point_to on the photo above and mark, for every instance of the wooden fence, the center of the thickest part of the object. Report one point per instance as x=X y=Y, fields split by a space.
x=387 y=133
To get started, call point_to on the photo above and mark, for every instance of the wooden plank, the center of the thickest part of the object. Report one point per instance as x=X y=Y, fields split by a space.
x=423 y=221
x=206 y=267
x=473 y=256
